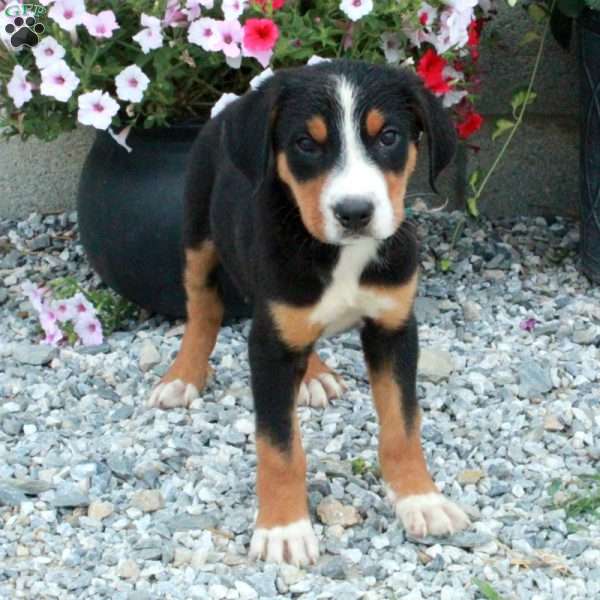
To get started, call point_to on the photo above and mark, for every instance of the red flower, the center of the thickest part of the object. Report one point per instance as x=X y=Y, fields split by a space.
x=275 y=4
x=471 y=123
x=474 y=31
x=431 y=70
x=260 y=35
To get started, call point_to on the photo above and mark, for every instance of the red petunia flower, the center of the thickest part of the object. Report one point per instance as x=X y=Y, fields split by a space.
x=471 y=123
x=260 y=35
x=431 y=70
x=474 y=31
x=275 y=4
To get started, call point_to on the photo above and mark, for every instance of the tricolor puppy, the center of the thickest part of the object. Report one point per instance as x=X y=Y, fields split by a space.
x=297 y=191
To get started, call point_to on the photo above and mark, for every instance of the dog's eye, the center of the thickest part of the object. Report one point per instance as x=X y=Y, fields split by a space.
x=389 y=137
x=307 y=145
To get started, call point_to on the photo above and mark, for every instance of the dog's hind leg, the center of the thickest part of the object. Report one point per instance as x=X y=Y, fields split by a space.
x=204 y=307
x=320 y=384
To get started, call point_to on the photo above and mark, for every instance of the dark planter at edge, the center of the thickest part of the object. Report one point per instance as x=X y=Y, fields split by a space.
x=130 y=209
x=589 y=65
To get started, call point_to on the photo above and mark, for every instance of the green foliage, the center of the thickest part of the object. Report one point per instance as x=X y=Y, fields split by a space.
x=359 y=466
x=113 y=310
x=582 y=503
x=487 y=591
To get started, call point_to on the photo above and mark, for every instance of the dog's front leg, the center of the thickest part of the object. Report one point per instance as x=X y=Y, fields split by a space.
x=392 y=363
x=283 y=529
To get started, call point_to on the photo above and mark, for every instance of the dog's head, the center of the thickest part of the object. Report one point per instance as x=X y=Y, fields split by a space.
x=343 y=137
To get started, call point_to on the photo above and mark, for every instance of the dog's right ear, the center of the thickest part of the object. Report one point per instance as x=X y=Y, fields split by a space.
x=247 y=129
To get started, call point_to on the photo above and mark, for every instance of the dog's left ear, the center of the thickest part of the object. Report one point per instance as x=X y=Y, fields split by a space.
x=437 y=124
x=247 y=131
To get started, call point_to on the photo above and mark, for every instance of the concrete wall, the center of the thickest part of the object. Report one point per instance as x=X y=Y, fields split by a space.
x=538 y=176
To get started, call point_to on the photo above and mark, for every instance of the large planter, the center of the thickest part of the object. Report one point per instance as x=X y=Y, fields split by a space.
x=589 y=61
x=130 y=209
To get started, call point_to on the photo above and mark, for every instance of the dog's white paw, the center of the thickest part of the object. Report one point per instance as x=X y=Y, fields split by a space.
x=318 y=391
x=173 y=394
x=295 y=543
x=430 y=514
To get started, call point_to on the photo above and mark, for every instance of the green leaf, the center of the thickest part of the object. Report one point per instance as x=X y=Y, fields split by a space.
x=529 y=37
x=520 y=98
x=445 y=265
x=537 y=12
x=487 y=590
x=502 y=126
x=472 y=206
x=474 y=179
x=359 y=466
x=512 y=3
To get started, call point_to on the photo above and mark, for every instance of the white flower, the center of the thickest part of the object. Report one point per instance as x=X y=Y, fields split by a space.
x=47 y=52
x=235 y=62
x=192 y=9
x=462 y=5
x=258 y=79
x=427 y=15
x=232 y=9
x=204 y=33
x=97 y=109
x=454 y=96
x=18 y=88
x=356 y=9
x=315 y=60
x=221 y=103
x=390 y=44
x=58 y=81
x=131 y=82
x=151 y=36
x=68 y=13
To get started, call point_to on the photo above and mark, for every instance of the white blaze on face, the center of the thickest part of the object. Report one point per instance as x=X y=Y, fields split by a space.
x=355 y=175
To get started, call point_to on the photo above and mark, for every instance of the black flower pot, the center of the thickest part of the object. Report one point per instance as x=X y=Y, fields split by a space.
x=130 y=210
x=589 y=64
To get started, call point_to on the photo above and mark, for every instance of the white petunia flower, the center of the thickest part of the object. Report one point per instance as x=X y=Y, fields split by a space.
x=131 y=82
x=18 y=88
x=221 y=103
x=150 y=37
x=68 y=13
x=97 y=109
x=390 y=44
x=204 y=33
x=356 y=9
x=58 y=81
x=232 y=9
x=47 y=52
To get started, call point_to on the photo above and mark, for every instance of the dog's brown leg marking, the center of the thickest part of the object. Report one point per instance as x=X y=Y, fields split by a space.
x=397 y=182
x=374 y=122
x=281 y=481
x=204 y=315
x=403 y=297
x=294 y=326
x=401 y=456
x=307 y=195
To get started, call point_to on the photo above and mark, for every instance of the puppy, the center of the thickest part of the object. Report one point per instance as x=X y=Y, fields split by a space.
x=297 y=191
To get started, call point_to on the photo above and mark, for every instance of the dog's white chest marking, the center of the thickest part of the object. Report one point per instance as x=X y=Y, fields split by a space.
x=344 y=303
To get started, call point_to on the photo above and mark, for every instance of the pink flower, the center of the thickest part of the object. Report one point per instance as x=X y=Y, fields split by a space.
x=232 y=9
x=229 y=38
x=48 y=319
x=89 y=330
x=64 y=310
x=82 y=306
x=356 y=9
x=205 y=33
x=151 y=36
x=53 y=337
x=528 y=324
x=97 y=109
x=101 y=25
x=47 y=52
x=193 y=9
x=18 y=88
x=131 y=84
x=58 y=81
x=67 y=13
x=174 y=15
x=34 y=293
x=260 y=35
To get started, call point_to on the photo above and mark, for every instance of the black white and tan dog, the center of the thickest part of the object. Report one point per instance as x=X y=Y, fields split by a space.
x=297 y=191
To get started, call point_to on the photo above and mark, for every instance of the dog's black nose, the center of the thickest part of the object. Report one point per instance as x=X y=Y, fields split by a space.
x=354 y=212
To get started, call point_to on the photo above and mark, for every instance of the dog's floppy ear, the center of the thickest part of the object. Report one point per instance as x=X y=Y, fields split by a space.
x=247 y=132
x=437 y=124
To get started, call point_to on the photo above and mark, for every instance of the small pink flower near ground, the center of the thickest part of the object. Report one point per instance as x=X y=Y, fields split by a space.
x=97 y=108
x=89 y=330
x=34 y=293
x=82 y=306
x=68 y=13
x=47 y=52
x=101 y=25
x=53 y=337
x=131 y=83
x=64 y=310
x=58 y=81
x=528 y=324
x=18 y=88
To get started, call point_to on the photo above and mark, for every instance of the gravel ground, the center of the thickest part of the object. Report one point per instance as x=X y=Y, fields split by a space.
x=101 y=497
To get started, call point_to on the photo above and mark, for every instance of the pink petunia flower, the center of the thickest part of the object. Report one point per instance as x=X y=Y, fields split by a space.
x=89 y=330
x=58 y=81
x=174 y=14
x=229 y=38
x=528 y=324
x=150 y=37
x=193 y=9
x=233 y=9
x=356 y=9
x=68 y=13
x=18 y=88
x=97 y=108
x=64 y=310
x=131 y=84
x=205 y=33
x=34 y=293
x=48 y=319
x=101 y=25
x=47 y=52
x=53 y=336
x=260 y=35
x=82 y=306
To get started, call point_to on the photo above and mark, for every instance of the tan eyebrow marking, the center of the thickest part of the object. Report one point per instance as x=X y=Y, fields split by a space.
x=317 y=128
x=374 y=122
